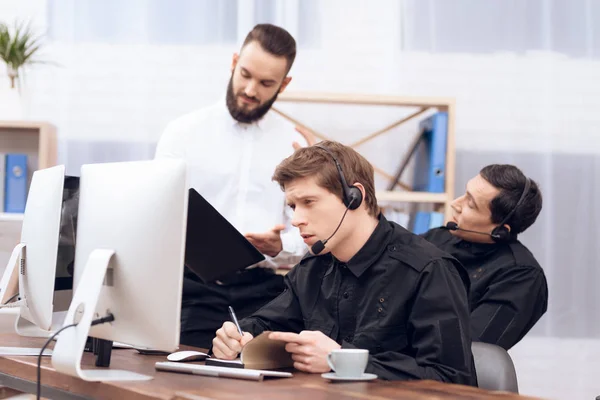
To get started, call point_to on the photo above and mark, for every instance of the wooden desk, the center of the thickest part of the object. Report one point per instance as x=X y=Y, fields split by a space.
x=20 y=373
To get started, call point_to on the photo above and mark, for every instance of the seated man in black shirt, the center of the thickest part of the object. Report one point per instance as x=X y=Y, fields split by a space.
x=366 y=283
x=508 y=292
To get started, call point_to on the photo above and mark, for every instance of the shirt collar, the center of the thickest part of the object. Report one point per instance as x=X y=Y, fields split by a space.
x=372 y=249
x=466 y=251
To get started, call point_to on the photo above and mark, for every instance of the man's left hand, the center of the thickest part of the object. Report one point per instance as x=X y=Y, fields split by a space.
x=309 y=349
x=268 y=243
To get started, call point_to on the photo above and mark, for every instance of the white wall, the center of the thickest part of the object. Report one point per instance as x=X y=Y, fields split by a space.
x=538 y=110
x=128 y=93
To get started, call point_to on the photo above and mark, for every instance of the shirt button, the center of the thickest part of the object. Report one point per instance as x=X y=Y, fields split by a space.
x=346 y=295
x=392 y=248
x=379 y=309
x=381 y=300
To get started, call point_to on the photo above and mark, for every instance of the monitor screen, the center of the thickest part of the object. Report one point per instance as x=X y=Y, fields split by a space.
x=68 y=230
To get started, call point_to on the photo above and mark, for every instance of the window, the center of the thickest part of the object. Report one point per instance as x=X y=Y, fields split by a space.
x=190 y=22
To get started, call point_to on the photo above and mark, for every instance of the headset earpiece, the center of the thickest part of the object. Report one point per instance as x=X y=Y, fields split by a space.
x=502 y=233
x=352 y=196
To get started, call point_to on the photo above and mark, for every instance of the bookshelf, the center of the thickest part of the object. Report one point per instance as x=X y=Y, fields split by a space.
x=38 y=141
x=402 y=193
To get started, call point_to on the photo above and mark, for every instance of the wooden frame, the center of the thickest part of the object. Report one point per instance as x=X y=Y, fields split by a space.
x=32 y=138
x=424 y=103
x=36 y=139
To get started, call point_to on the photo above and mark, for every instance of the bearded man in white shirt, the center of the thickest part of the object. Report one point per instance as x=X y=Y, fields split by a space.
x=232 y=149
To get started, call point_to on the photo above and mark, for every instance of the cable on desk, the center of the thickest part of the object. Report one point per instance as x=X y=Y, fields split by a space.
x=108 y=318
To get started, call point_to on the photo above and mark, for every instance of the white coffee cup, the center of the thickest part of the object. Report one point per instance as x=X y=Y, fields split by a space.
x=348 y=363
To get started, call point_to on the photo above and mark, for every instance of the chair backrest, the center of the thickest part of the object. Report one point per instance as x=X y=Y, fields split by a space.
x=494 y=367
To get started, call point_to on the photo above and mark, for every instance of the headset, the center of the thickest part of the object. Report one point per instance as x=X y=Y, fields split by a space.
x=501 y=233
x=352 y=196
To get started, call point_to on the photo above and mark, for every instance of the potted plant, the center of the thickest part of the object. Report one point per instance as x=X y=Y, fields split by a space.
x=18 y=47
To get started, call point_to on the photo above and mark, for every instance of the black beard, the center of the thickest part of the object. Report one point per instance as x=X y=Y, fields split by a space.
x=246 y=116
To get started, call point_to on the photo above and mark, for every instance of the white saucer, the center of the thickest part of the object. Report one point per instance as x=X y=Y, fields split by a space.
x=334 y=377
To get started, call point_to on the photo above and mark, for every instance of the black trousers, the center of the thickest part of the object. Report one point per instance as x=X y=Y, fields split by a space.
x=204 y=306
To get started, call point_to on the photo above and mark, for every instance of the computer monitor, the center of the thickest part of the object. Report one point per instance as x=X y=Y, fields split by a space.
x=34 y=259
x=128 y=261
x=46 y=184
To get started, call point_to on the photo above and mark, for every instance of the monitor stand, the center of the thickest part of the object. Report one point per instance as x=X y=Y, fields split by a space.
x=9 y=288
x=71 y=342
x=24 y=327
x=9 y=284
x=61 y=301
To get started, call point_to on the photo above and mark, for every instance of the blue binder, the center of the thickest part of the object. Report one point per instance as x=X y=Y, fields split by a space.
x=436 y=219
x=421 y=222
x=15 y=184
x=430 y=157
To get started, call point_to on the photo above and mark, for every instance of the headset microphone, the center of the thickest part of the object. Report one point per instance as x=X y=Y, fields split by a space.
x=319 y=245
x=453 y=226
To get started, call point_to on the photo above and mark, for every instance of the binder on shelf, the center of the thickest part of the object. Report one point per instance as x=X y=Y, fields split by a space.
x=421 y=222
x=15 y=186
x=430 y=155
x=424 y=221
x=436 y=219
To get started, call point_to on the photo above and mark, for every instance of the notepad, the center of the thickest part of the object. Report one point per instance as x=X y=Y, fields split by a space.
x=260 y=353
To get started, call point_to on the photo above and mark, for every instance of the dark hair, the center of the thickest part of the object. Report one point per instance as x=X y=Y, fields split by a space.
x=511 y=183
x=312 y=161
x=275 y=40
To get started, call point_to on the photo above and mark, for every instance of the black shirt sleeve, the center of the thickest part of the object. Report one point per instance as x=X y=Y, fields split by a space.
x=283 y=313
x=510 y=306
x=438 y=332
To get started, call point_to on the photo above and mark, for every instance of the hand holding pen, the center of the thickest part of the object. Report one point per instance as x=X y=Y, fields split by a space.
x=230 y=339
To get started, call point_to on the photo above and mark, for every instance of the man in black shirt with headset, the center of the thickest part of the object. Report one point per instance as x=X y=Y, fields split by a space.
x=508 y=292
x=367 y=283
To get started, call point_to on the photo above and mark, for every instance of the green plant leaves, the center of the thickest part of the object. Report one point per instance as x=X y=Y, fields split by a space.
x=18 y=48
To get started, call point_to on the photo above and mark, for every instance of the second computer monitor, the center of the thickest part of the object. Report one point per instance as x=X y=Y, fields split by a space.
x=128 y=261
x=138 y=209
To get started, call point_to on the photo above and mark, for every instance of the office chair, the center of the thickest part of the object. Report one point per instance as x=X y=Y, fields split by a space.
x=494 y=368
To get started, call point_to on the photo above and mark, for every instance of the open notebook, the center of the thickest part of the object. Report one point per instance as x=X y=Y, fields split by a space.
x=259 y=353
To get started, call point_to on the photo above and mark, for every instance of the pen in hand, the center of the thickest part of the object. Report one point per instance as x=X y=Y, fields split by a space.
x=235 y=320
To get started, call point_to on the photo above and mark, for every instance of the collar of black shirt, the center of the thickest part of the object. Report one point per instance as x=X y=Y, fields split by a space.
x=464 y=250
x=367 y=255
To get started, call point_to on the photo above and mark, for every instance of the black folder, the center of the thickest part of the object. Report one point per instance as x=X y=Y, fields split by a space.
x=214 y=248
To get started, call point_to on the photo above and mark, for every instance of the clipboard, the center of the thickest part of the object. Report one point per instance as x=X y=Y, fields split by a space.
x=214 y=248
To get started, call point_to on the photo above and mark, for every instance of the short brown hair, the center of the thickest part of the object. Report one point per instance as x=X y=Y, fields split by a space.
x=313 y=161
x=274 y=40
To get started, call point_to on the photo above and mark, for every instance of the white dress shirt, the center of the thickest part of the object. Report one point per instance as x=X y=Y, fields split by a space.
x=231 y=164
